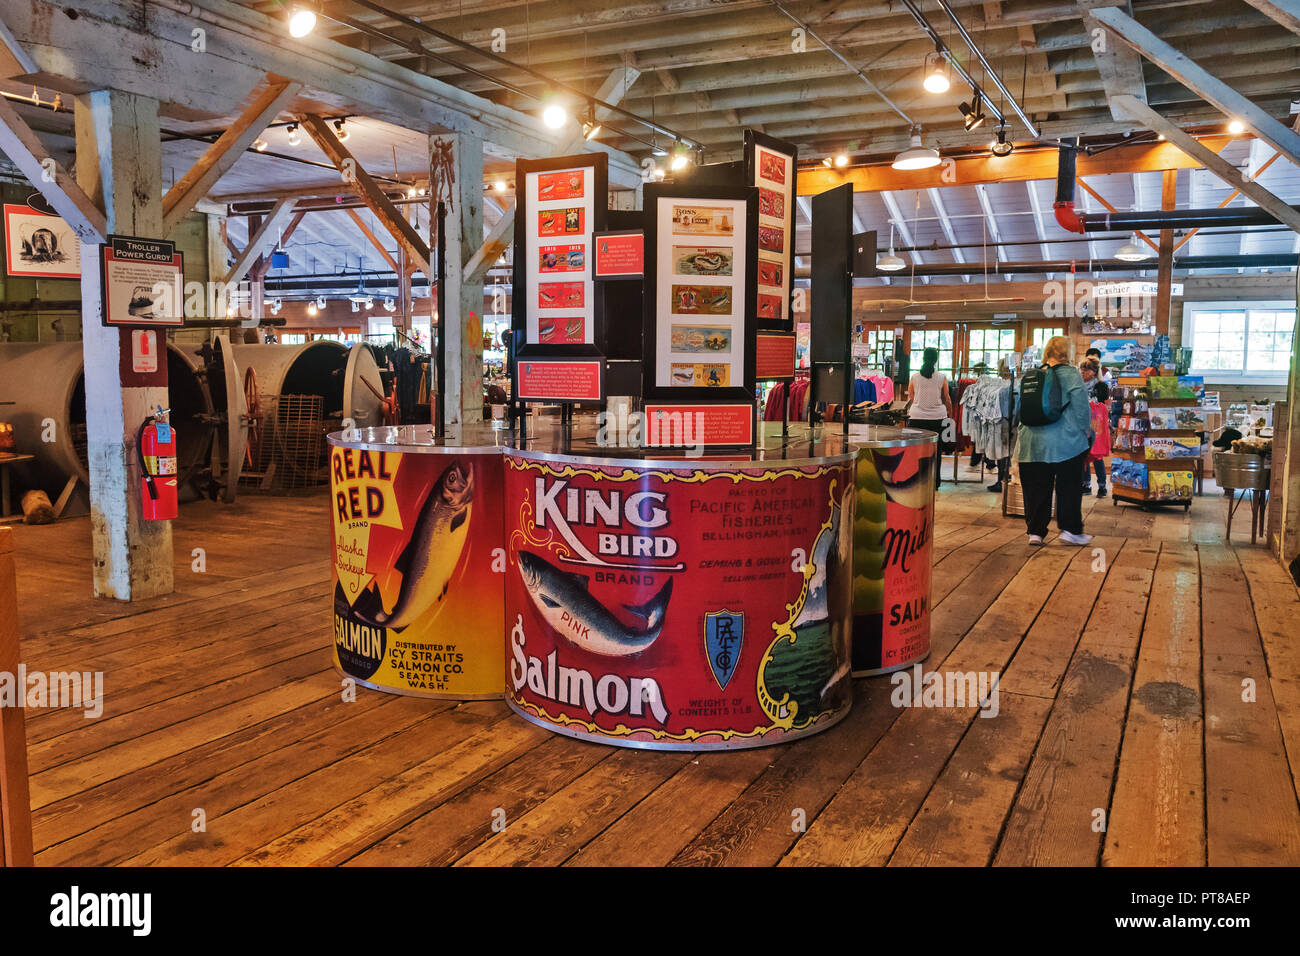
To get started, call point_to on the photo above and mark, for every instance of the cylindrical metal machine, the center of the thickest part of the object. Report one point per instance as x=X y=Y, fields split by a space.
x=47 y=384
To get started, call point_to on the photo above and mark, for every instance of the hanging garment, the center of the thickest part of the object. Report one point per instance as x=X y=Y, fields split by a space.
x=985 y=417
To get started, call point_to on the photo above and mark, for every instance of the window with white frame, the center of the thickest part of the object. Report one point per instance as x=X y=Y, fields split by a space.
x=1249 y=342
x=941 y=339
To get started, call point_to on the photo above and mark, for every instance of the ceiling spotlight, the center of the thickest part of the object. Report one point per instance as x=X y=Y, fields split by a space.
x=936 y=73
x=259 y=144
x=827 y=162
x=370 y=302
x=311 y=308
x=302 y=20
x=340 y=131
x=1132 y=251
x=973 y=112
x=390 y=305
x=294 y=136
x=1000 y=146
x=681 y=157
x=659 y=174
x=841 y=160
x=500 y=185
x=410 y=192
x=916 y=156
x=276 y=306
x=356 y=306
x=590 y=127
x=1236 y=127
x=555 y=115
x=320 y=301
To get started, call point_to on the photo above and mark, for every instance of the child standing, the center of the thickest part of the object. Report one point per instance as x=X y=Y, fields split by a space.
x=1100 y=451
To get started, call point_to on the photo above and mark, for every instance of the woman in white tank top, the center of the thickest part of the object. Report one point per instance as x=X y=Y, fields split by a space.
x=929 y=405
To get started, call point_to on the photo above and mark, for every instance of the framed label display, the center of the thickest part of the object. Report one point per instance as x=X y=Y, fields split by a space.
x=142 y=281
x=699 y=292
x=40 y=245
x=557 y=305
x=561 y=380
x=771 y=167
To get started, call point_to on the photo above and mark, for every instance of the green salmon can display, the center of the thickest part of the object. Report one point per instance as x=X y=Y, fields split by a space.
x=893 y=533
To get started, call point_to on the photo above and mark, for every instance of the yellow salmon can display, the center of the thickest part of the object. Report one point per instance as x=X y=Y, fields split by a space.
x=418 y=566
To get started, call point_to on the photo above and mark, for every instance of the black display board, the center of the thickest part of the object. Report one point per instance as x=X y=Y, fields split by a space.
x=660 y=278
x=831 y=318
x=527 y=235
x=776 y=182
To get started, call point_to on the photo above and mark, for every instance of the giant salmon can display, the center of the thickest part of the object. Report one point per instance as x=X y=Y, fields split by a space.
x=418 y=567
x=892 y=547
x=678 y=607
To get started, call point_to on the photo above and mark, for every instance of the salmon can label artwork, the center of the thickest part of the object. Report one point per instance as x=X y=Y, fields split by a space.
x=418 y=571
x=703 y=221
x=678 y=608
x=701 y=300
x=561 y=222
x=703 y=260
x=566 y=184
x=892 y=553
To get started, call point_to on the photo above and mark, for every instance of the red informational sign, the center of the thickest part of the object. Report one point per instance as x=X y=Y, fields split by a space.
x=417 y=539
x=566 y=184
x=679 y=608
x=571 y=257
x=560 y=295
x=619 y=255
x=575 y=380
x=561 y=222
x=892 y=556
x=773 y=356
x=698 y=424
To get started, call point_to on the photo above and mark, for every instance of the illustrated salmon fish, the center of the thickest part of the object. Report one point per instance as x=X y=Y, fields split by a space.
x=911 y=492
x=430 y=556
x=567 y=605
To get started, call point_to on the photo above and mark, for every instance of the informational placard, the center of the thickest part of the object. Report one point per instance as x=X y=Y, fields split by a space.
x=774 y=356
x=559 y=207
x=560 y=380
x=619 y=255
x=700 y=291
x=771 y=166
x=665 y=611
x=687 y=426
x=142 y=282
x=40 y=245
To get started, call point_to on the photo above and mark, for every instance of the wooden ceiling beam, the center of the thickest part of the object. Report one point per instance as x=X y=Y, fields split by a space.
x=1119 y=66
x=368 y=190
x=1285 y=12
x=219 y=157
x=1199 y=81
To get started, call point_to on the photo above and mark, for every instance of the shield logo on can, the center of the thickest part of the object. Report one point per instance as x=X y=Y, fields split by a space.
x=724 y=632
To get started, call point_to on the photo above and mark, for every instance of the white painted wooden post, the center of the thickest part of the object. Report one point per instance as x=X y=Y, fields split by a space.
x=132 y=557
x=463 y=324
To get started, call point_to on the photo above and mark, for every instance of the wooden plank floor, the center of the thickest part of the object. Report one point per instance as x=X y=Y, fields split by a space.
x=1149 y=713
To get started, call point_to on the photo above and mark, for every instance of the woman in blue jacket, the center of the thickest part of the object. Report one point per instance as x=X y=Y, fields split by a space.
x=1053 y=457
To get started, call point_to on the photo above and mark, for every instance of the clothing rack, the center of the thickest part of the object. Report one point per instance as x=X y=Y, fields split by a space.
x=990 y=371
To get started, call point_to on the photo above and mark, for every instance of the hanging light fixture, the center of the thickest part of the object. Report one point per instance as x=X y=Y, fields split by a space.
x=294 y=136
x=302 y=20
x=1132 y=251
x=891 y=262
x=340 y=131
x=1000 y=146
x=936 y=73
x=554 y=115
x=916 y=156
x=276 y=305
x=500 y=185
x=841 y=160
x=681 y=157
x=1236 y=127
x=259 y=144
x=973 y=112
x=311 y=308
x=320 y=301
x=590 y=127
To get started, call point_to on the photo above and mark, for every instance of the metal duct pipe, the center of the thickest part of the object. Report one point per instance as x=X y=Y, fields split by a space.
x=1065 y=175
x=1257 y=261
x=1176 y=219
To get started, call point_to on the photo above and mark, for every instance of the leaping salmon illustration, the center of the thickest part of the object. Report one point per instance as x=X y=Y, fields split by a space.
x=911 y=492
x=430 y=556
x=567 y=605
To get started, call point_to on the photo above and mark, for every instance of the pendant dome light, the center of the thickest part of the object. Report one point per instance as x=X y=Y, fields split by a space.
x=1132 y=251
x=916 y=156
x=891 y=262
x=1000 y=146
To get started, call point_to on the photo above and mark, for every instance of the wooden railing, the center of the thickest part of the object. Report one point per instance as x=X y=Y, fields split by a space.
x=15 y=801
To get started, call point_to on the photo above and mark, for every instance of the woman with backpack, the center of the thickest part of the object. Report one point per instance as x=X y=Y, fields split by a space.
x=1054 y=439
x=929 y=405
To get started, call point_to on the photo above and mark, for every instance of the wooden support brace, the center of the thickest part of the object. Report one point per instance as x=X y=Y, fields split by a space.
x=20 y=144
x=223 y=154
x=260 y=241
x=374 y=240
x=369 y=191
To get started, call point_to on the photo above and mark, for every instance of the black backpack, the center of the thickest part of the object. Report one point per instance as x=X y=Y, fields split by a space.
x=1041 y=396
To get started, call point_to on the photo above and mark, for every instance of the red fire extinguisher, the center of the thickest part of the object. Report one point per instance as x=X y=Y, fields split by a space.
x=156 y=447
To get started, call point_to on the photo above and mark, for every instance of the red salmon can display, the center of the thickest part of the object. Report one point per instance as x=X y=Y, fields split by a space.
x=893 y=534
x=678 y=606
x=419 y=563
